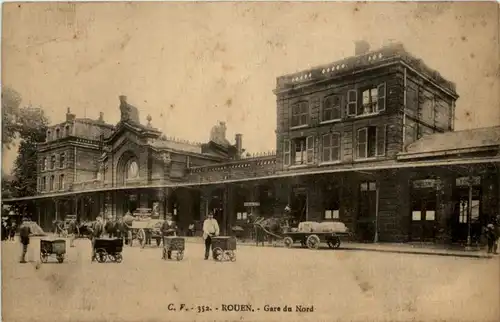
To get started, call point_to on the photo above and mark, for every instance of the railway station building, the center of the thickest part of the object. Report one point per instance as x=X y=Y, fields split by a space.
x=368 y=140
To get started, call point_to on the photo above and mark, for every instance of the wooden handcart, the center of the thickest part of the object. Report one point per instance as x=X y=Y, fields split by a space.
x=174 y=244
x=147 y=230
x=55 y=248
x=223 y=248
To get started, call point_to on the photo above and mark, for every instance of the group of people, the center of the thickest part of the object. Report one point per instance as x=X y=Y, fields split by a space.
x=9 y=228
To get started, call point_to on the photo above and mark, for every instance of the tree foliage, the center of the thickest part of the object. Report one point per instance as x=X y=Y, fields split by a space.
x=29 y=124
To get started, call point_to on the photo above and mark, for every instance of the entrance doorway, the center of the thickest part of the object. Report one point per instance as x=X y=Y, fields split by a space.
x=423 y=215
x=460 y=222
x=367 y=211
x=131 y=203
x=298 y=206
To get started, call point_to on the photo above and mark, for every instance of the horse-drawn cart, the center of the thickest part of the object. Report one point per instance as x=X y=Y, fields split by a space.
x=311 y=235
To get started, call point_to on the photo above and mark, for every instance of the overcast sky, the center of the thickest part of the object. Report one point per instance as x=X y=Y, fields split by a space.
x=190 y=64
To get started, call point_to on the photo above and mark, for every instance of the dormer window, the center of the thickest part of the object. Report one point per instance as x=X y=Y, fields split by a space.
x=48 y=138
x=300 y=114
x=58 y=133
x=66 y=130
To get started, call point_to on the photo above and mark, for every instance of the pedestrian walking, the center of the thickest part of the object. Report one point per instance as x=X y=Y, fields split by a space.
x=168 y=228
x=24 y=233
x=210 y=229
x=73 y=232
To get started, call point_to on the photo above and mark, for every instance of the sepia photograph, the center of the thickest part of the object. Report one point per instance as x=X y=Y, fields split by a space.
x=250 y=161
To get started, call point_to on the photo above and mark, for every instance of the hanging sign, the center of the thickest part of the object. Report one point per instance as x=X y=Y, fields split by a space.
x=464 y=181
x=251 y=204
x=425 y=183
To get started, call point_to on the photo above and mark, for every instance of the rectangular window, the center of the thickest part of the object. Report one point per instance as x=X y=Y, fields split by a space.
x=62 y=158
x=331 y=147
x=44 y=183
x=331 y=108
x=366 y=143
x=373 y=100
x=303 y=151
x=352 y=102
x=61 y=182
x=53 y=162
x=51 y=183
x=300 y=151
x=300 y=114
x=286 y=152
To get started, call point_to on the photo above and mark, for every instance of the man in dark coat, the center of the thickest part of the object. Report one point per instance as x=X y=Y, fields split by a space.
x=24 y=233
x=97 y=232
x=168 y=228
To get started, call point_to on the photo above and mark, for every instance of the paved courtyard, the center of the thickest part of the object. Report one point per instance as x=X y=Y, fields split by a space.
x=337 y=285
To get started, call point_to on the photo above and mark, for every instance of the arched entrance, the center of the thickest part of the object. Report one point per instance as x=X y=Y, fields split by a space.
x=127 y=169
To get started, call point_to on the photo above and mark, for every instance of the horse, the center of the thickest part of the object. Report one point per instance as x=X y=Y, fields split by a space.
x=272 y=227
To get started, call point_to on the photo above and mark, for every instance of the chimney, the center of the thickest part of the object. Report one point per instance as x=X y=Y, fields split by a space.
x=101 y=117
x=239 y=145
x=69 y=116
x=123 y=99
x=361 y=47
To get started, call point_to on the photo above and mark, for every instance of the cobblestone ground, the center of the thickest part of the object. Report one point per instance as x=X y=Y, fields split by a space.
x=340 y=285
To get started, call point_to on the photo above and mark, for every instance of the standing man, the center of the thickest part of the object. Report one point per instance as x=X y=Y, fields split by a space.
x=210 y=229
x=24 y=234
x=168 y=228
x=97 y=231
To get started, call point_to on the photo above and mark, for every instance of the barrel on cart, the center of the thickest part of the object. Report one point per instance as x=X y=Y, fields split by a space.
x=55 y=248
x=108 y=249
x=173 y=244
x=223 y=248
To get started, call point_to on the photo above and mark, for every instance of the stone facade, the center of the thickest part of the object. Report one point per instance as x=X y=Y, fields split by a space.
x=359 y=141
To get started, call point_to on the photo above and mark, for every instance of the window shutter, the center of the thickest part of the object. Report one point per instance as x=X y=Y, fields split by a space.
x=361 y=143
x=325 y=146
x=381 y=139
x=352 y=102
x=381 y=97
x=310 y=149
x=286 y=152
x=336 y=146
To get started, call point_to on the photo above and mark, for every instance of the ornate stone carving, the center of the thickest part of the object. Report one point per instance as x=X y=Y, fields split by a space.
x=128 y=112
x=218 y=134
x=166 y=158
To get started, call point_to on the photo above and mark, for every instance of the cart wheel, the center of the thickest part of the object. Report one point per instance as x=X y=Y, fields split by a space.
x=180 y=255
x=60 y=258
x=118 y=258
x=164 y=254
x=43 y=257
x=218 y=254
x=101 y=255
x=334 y=242
x=288 y=242
x=232 y=256
x=312 y=242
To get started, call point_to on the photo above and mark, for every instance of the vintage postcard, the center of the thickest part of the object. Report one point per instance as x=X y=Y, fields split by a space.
x=250 y=161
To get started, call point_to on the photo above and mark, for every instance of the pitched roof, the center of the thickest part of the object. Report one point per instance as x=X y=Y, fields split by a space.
x=455 y=141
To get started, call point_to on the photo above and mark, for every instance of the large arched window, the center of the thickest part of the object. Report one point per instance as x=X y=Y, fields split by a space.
x=132 y=170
